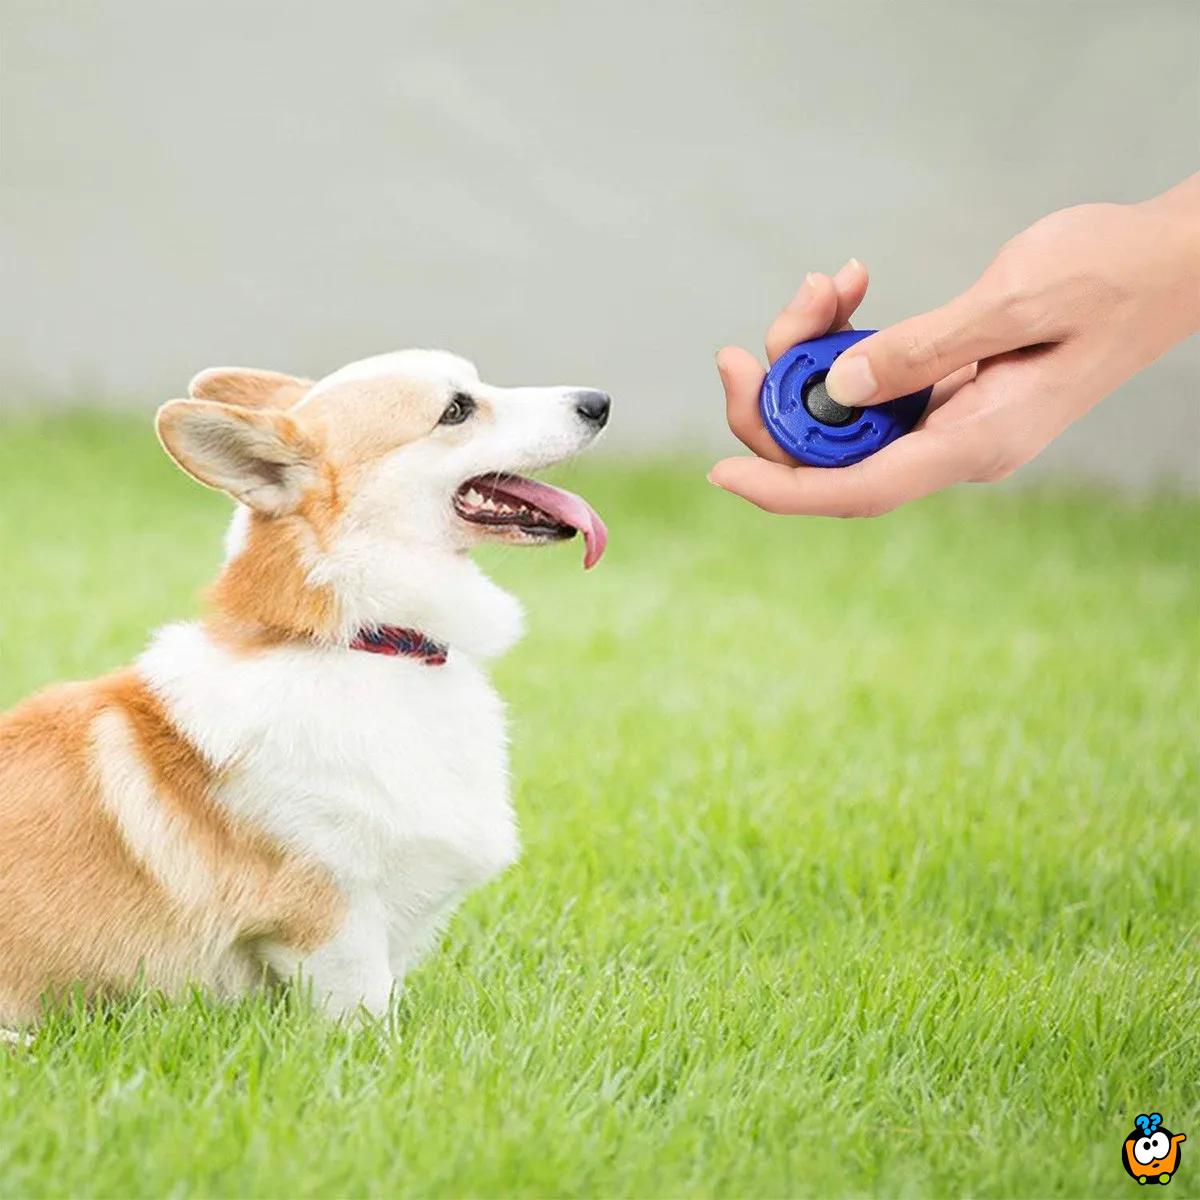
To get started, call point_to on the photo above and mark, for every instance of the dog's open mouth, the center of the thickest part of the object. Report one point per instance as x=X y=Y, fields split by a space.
x=521 y=509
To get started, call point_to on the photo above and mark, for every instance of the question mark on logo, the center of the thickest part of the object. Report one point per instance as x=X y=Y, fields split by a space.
x=1143 y=1123
x=1155 y=1121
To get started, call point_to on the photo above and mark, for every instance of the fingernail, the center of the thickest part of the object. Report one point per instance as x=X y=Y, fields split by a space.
x=713 y=481
x=803 y=298
x=850 y=267
x=851 y=381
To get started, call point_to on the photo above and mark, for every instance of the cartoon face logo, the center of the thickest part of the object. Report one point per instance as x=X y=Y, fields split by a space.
x=1151 y=1154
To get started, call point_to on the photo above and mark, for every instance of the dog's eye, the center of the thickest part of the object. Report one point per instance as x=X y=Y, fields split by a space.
x=461 y=406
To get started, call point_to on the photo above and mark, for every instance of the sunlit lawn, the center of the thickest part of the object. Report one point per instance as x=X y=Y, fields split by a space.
x=859 y=858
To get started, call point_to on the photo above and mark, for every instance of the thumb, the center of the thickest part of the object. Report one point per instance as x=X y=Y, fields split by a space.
x=916 y=353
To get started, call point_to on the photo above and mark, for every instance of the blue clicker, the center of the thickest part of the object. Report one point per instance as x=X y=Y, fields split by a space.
x=811 y=426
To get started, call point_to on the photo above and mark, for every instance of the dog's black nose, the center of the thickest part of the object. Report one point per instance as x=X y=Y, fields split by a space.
x=593 y=407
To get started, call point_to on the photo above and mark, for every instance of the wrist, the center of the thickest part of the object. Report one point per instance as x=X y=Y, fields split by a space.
x=1178 y=211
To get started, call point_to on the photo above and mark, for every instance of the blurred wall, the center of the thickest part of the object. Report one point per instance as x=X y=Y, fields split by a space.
x=599 y=193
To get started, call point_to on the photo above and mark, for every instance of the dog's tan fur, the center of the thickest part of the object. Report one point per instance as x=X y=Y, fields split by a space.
x=89 y=907
x=251 y=389
x=263 y=596
x=121 y=858
x=80 y=898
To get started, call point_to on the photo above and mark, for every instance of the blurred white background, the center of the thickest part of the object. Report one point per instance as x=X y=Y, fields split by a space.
x=595 y=193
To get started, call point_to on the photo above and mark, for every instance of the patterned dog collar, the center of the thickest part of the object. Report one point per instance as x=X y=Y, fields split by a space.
x=395 y=640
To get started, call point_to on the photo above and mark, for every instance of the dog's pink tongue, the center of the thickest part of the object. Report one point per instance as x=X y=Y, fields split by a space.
x=566 y=507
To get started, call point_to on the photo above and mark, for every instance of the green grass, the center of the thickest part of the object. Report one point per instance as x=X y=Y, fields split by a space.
x=860 y=858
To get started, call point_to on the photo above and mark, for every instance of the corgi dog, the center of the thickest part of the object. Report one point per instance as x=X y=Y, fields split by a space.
x=304 y=783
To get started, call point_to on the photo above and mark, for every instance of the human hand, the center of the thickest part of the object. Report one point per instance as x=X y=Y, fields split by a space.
x=1066 y=312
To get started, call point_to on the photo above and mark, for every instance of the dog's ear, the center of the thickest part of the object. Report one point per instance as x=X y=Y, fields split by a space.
x=248 y=388
x=259 y=456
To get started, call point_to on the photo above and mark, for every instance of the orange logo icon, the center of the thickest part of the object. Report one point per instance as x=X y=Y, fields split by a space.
x=1151 y=1154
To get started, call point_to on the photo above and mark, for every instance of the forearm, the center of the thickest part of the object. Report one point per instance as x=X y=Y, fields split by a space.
x=1178 y=209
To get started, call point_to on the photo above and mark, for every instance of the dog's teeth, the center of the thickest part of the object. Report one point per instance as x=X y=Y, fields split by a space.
x=489 y=504
x=473 y=497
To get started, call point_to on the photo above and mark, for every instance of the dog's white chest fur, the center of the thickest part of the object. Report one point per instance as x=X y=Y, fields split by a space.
x=389 y=772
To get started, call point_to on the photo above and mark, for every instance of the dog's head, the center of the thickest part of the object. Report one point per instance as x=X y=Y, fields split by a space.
x=400 y=454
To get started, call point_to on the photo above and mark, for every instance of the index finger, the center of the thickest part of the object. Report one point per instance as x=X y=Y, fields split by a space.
x=808 y=314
